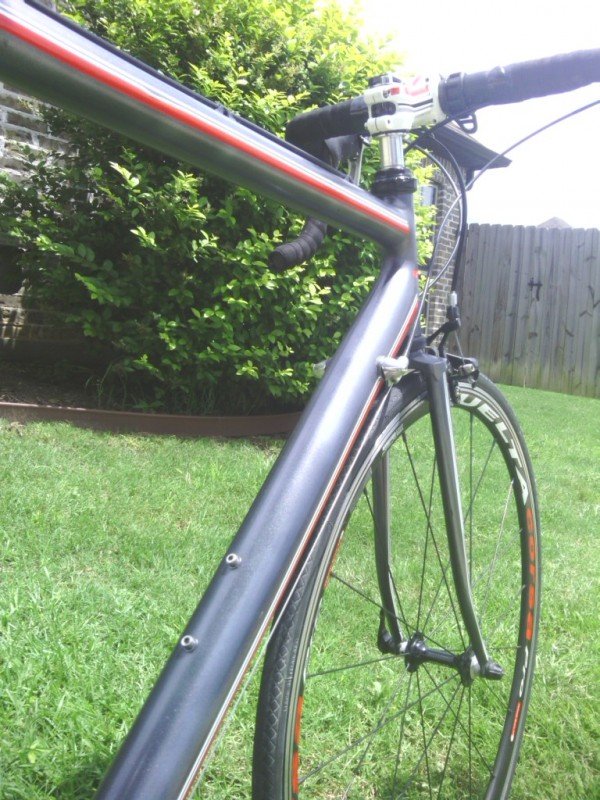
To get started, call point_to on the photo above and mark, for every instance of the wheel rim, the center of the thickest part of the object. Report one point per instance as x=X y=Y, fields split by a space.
x=366 y=727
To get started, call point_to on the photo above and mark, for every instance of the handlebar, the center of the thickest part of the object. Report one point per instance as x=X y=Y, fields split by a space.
x=458 y=94
x=331 y=132
x=300 y=249
x=341 y=119
x=461 y=93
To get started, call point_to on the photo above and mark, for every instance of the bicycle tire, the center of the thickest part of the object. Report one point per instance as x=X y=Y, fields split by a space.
x=336 y=716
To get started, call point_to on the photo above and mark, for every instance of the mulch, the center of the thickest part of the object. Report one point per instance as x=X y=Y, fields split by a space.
x=30 y=394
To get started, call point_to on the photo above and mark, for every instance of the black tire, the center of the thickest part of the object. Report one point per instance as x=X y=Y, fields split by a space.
x=337 y=718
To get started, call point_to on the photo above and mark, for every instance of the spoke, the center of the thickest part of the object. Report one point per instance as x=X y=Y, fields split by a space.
x=366 y=597
x=426 y=511
x=448 y=702
x=470 y=737
x=511 y=610
x=424 y=736
x=380 y=725
x=445 y=582
x=435 y=596
x=353 y=745
x=369 y=503
x=508 y=546
x=494 y=691
x=484 y=572
x=456 y=719
x=407 y=627
x=431 y=738
x=483 y=470
x=430 y=530
x=410 y=628
x=433 y=641
x=417 y=482
x=470 y=511
x=401 y=738
x=350 y=666
x=492 y=568
x=433 y=471
x=371 y=738
x=402 y=615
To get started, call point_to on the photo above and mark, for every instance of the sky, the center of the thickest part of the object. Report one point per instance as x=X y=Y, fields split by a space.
x=557 y=174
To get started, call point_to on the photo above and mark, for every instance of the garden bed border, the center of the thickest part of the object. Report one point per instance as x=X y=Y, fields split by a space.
x=158 y=424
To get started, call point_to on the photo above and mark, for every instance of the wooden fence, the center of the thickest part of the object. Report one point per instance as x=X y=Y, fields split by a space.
x=530 y=303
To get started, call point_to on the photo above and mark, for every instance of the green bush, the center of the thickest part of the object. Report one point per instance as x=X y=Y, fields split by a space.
x=168 y=267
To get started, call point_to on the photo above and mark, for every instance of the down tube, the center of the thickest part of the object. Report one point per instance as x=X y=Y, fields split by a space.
x=164 y=749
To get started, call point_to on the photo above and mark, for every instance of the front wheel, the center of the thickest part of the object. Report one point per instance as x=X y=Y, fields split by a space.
x=370 y=689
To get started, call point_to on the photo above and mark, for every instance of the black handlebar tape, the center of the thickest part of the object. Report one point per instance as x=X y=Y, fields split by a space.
x=328 y=122
x=301 y=249
x=461 y=93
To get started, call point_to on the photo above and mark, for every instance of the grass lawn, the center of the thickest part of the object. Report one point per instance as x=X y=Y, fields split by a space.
x=107 y=542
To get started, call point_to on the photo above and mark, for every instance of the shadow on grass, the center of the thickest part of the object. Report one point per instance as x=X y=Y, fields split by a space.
x=83 y=783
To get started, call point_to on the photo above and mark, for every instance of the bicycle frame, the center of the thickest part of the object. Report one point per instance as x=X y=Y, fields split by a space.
x=65 y=65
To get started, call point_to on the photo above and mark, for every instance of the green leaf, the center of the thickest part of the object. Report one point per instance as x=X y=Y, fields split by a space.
x=166 y=267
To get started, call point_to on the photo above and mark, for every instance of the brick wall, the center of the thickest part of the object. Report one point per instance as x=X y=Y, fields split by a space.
x=20 y=125
x=25 y=332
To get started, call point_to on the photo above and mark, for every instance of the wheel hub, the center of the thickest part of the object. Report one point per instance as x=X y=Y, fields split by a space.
x=416 y=652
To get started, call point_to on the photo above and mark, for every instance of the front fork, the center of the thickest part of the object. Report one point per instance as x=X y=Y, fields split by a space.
x=435 y=371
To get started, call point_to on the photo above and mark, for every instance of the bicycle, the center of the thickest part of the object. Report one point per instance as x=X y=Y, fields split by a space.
x=451 y=636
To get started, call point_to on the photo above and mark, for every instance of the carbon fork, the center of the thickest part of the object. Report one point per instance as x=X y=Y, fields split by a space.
x=436 y=372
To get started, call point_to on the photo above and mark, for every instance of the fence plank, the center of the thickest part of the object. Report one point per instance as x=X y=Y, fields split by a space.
x=488 y=278
x=516 y=236
x=587 y=355
x=566 y=242
x=573 y=304
x=549 y=338
x=500 y=300
x=593 y=376
x=552 y=354
x=518 y=368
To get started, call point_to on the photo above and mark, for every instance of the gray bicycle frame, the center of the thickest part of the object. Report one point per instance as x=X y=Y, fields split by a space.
x=55 y=60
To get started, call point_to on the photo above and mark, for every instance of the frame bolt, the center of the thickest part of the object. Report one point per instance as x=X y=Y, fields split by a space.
x=189 y=643
x=233 y=560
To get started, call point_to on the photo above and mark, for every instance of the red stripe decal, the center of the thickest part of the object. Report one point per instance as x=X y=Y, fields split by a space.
x=296 y=753
x=513 y=732
x=376 y=389
x=373 y=396
x=208 y=128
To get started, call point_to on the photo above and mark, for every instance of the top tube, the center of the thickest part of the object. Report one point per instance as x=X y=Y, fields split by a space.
x=62 y=64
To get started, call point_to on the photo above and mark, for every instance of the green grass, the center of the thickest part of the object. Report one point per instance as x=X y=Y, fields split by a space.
x=363 y=696
x=107 y=542
x=562 y=748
